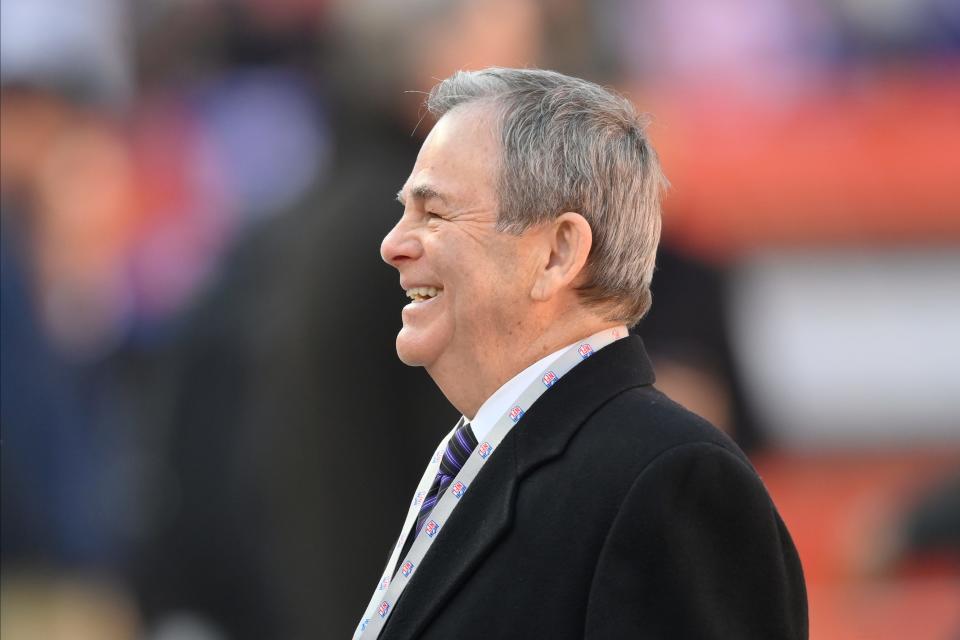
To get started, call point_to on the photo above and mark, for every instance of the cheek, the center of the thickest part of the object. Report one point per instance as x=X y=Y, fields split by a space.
x=488 y=281
x=495 y=306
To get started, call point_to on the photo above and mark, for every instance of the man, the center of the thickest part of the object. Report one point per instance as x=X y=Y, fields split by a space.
x=573 y=500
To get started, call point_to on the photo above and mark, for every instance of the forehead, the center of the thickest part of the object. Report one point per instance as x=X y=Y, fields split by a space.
x=459 y=158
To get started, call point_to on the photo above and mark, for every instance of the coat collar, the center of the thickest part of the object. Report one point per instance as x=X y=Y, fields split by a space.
x=560 y=412
x=486 y=511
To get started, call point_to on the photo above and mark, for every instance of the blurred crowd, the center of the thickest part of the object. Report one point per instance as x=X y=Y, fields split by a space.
x=205 y=431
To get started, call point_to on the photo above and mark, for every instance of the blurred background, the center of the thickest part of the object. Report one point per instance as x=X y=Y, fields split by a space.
x=197 y=330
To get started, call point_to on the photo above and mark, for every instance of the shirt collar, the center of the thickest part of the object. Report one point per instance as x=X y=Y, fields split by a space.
x=498 y=404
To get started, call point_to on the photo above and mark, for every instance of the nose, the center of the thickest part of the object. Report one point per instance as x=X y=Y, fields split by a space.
x=400 y=244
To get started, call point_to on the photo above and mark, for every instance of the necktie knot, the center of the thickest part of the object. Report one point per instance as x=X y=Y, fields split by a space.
x=459 y=447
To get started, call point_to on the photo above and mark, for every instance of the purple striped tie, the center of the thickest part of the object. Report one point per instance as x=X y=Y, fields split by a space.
x=459 y=448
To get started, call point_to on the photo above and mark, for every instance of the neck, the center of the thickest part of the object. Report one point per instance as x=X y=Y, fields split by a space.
x=468 y=384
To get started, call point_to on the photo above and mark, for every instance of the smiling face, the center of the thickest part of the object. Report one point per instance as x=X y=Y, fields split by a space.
x=469 y=283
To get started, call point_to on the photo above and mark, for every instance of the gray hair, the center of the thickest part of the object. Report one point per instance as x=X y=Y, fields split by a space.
x=571 y=145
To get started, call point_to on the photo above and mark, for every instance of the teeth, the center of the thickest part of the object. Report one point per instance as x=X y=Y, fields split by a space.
x=419 y=294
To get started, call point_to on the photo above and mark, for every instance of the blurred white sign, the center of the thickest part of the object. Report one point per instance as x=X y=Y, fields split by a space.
x=851 y=349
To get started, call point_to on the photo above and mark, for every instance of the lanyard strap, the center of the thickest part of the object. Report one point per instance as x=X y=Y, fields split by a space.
x=388 y=591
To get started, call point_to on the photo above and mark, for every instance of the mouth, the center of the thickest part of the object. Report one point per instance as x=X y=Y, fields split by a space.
x=423 y=294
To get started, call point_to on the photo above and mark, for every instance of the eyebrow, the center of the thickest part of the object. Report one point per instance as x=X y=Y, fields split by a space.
x=422 y=192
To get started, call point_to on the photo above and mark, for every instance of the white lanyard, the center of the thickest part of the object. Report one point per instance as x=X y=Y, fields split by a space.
x=388 y=591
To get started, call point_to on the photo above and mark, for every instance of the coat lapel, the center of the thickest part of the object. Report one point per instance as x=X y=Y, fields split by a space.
x=486 y=511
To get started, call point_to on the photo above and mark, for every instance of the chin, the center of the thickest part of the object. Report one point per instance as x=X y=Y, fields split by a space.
x=407 y=358
x=411 y=350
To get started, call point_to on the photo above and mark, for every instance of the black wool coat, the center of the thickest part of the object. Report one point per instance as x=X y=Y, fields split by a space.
x=609 y=511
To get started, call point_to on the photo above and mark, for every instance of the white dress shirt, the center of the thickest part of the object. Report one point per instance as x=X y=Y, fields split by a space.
x=498 y=404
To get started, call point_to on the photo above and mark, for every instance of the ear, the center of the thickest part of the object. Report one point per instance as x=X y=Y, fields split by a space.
x=569 y=239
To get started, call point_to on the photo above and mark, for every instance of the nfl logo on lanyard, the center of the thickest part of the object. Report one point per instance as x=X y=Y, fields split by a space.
x=432 y=528
x=458 y=489
x=549 y=378
x=406 y=569
x=484 y=449
x=516 y=413
x=383 y=608
x=585 y=351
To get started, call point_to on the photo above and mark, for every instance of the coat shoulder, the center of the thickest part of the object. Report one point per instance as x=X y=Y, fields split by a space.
x=695 y=546
x=638 y=425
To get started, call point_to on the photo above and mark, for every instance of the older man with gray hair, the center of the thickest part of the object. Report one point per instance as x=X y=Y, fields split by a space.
x=572 y=499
